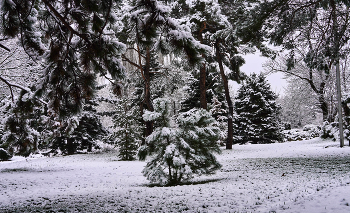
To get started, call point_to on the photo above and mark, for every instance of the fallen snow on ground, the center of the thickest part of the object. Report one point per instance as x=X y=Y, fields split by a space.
x=303 y=176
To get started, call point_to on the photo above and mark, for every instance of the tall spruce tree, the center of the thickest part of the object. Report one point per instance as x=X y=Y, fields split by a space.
x=127 y=134
x=256 y=120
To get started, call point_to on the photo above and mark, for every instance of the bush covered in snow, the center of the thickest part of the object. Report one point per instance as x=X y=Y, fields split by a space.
x=330 y=130
x=308 y=132
x=179 y=147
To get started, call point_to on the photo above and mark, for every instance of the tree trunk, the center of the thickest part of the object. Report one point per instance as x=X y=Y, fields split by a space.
x=202 y=87
x=340 y=114
x=324 y=108
x=228 y=98
x=147 y=90
x=336 y=47
x=202 y=74
x=70 y=146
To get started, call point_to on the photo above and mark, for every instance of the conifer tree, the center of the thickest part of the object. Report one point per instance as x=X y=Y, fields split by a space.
x=79 y=133
x=179 y=148
x=212 y=27
x=150 y=29
x=257 y=111
x=128 y=132
x=203 y=17
x=25 y=125
x=213 y=85
x=74 y=38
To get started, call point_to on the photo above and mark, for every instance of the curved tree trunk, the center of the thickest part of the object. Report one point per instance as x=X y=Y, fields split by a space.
x=228 y=98
x=324 y=108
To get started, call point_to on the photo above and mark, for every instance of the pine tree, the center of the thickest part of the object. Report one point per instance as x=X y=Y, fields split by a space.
x=149 y=29
x=257 y=111
x=128 y=132
x=203 y=19
x=219 y=24
x=24 y=125
x=75 y=39
x=179 y=148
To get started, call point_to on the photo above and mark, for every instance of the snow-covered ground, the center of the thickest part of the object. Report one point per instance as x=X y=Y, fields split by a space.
x=303 y=176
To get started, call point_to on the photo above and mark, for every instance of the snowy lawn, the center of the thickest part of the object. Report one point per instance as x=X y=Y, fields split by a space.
x=303 y=176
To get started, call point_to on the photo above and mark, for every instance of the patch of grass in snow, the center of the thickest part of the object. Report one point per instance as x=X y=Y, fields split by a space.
x=198 y=182
x=22 y=169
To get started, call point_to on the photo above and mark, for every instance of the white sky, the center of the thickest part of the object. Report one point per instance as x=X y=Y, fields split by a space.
x=253 y=63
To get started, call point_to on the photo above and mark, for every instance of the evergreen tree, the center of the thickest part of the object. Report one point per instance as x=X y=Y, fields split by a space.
x=149 y=29
x=25 y=125
x=179 y=148
x=213 y=27
x=213 y=85
x=257 y=111
x=128 y=132
x=204 y=19
x=76 y=39
x=78 y=133
x=220 y=114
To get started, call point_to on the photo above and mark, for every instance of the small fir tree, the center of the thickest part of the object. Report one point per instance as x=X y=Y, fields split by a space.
x=128 y=130
x=220 y=116
x=79 y=133
x=181 y=147
x=257 y=111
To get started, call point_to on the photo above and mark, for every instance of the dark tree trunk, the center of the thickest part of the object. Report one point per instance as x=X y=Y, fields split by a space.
x=202 y=87
x=228 y=98
x=324 y=106
x=202 y=74
x=327 y=114
x=70 y=146
x=147 y=90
